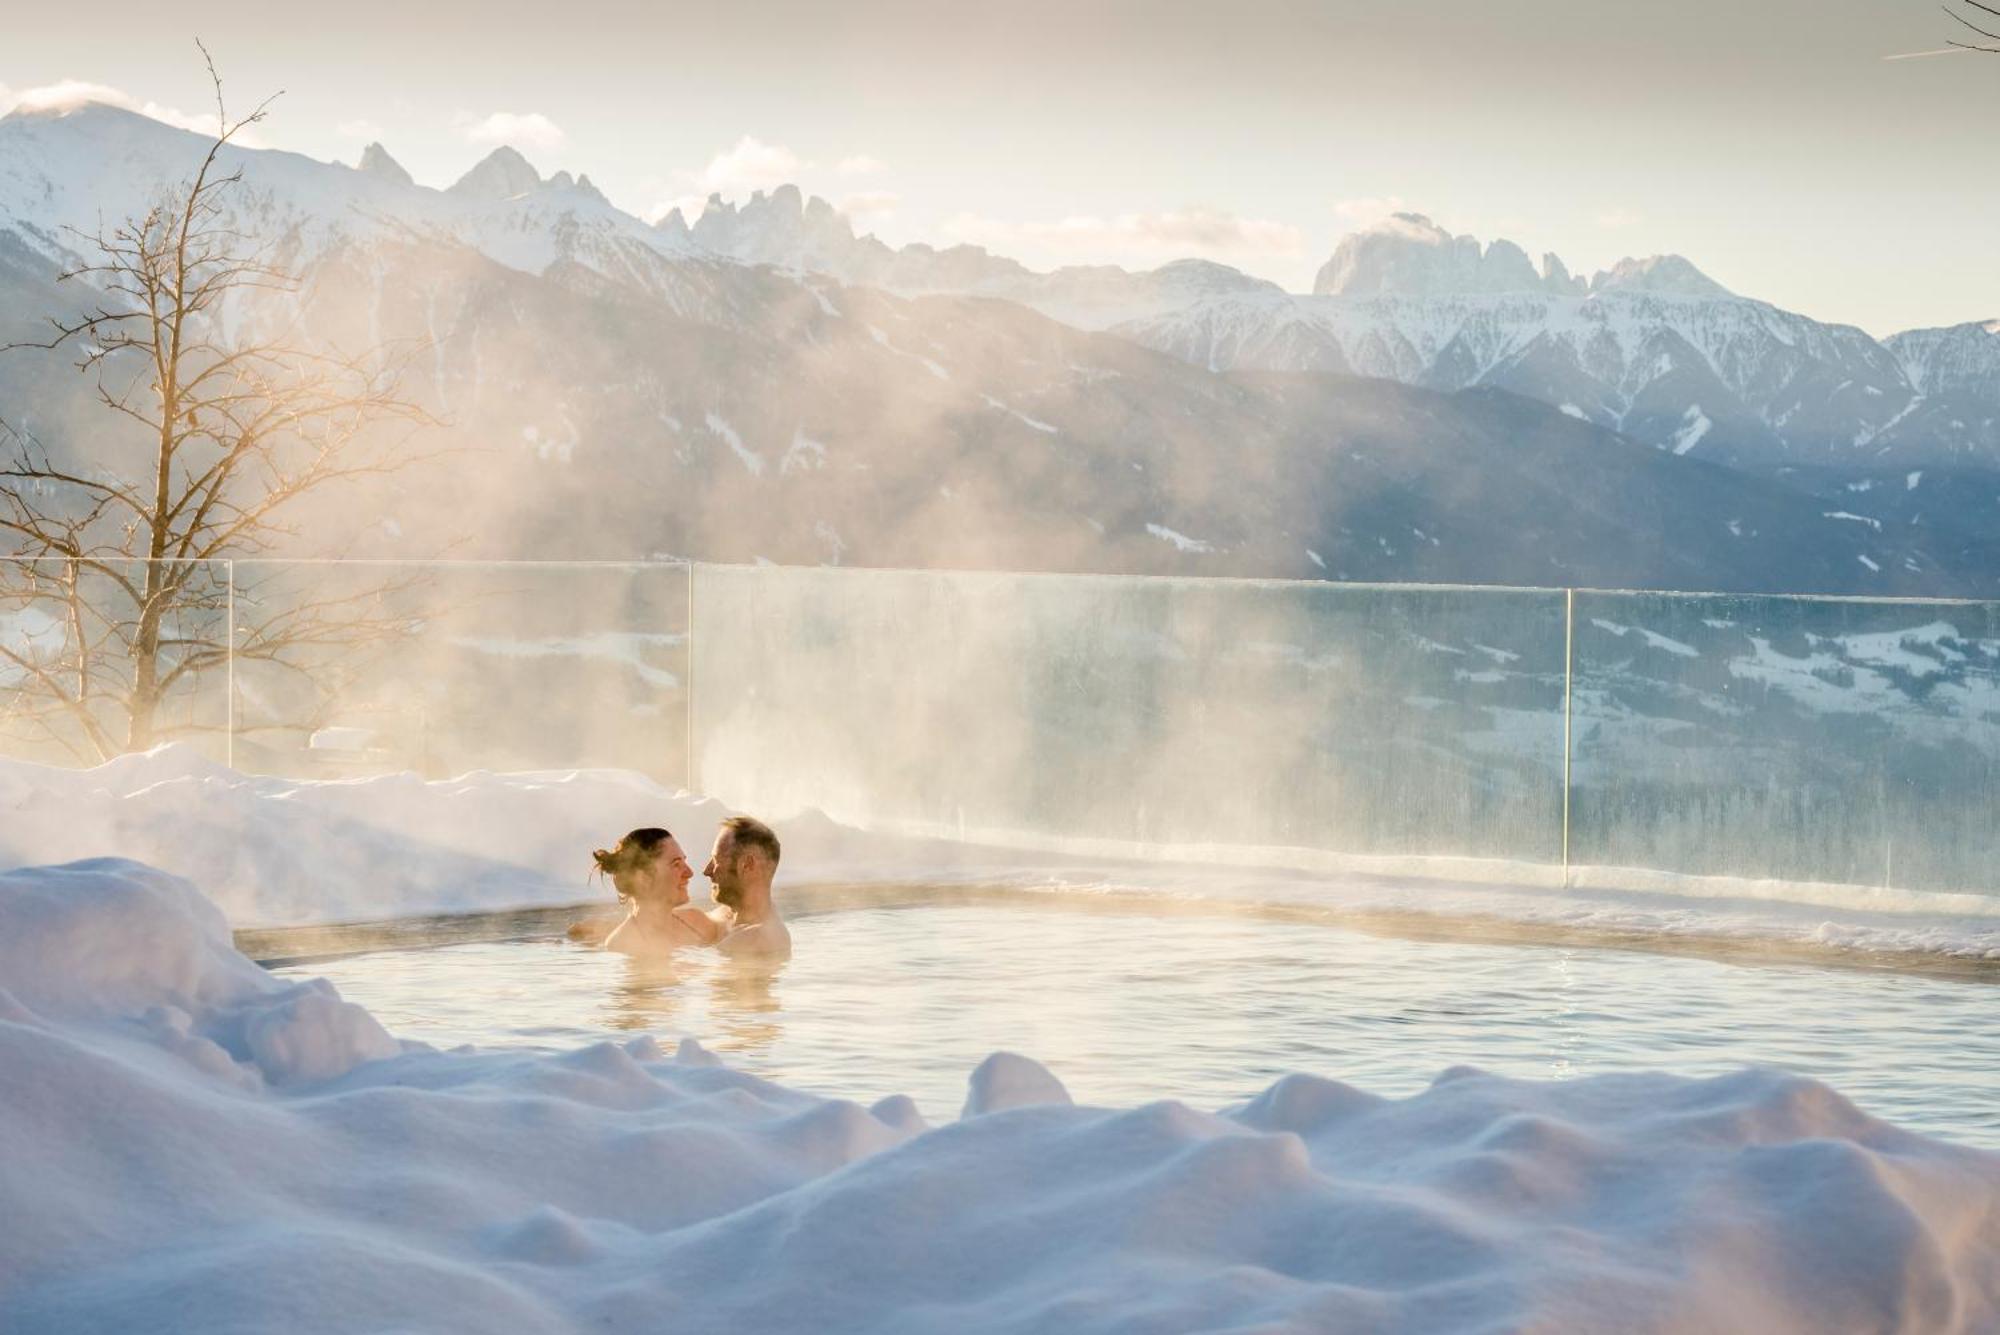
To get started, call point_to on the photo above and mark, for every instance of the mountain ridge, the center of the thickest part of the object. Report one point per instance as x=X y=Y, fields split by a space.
x=1649 y=346
x=630 y=392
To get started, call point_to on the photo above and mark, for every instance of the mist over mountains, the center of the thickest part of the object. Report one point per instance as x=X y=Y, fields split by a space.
x=764 y=384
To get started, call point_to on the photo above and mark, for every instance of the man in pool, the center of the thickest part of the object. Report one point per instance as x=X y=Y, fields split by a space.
x=744 y=861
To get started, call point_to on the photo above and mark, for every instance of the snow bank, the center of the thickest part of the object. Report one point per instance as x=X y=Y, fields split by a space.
x=282 y=852
x=274 y=851
x=109 y=940
x=187 y=1145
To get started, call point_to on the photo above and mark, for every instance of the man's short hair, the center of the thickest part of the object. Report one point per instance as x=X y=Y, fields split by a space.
x=750 y=832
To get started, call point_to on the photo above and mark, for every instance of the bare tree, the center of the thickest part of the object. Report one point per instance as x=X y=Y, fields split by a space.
x=1986 y=28
x=116 y=592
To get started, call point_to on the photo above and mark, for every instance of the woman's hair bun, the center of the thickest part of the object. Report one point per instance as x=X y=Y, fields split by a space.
x=634 y=851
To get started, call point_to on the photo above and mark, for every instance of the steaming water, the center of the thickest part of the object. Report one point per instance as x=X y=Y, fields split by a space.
x=1128 y=1008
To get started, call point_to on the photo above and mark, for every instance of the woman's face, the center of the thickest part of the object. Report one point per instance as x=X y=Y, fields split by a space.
x=671 y=873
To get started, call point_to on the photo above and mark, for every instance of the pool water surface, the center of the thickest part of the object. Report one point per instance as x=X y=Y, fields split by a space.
x=1131 y=1007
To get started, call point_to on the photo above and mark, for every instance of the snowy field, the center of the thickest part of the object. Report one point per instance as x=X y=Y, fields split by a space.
x=188 y=1143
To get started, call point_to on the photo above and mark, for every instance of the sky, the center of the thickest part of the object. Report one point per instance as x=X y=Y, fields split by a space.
x=1819 y=154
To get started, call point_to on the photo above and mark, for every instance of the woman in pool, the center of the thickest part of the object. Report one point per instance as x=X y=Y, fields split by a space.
x=650 y=872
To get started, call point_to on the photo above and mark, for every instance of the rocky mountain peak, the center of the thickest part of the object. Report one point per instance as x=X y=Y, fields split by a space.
x=501 y=174
x=1556 y=276
x=1406 y=254
x=1670 y=274
x=674 y=224
x=575 y=185
x=375 y=161
x=782 y=227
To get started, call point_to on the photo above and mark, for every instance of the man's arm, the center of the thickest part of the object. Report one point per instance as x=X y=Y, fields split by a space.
x=592 y=931
x=705 y=929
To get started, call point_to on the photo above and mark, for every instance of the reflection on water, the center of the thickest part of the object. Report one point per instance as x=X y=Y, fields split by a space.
x=1128 y=1007
x=651 y=996
x=743 y=999
x=646 y=996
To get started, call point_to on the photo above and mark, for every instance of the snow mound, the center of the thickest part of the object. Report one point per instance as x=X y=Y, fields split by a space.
x=112 y=940
x=112 y=937
x=162 y=1171
x=1009 y=1080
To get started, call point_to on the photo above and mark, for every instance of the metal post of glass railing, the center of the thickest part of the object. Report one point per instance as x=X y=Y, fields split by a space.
x=229 y=663
x=689 y=778
x=1569 y=692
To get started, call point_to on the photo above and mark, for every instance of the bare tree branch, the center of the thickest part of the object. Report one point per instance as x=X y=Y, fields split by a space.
x=1989 y=34
x=242 y=419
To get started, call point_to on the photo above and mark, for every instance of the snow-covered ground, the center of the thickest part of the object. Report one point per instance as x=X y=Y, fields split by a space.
x=188 y=1143
x=280 y=852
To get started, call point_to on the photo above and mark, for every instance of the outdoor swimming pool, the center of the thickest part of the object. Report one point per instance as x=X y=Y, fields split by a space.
x=1131 y=1006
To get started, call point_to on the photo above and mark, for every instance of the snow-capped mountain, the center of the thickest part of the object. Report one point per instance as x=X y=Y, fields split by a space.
x=1407 y=255
x=1652 y=347
x=789 y=231
x=1962 y=358
x=63 y=173
x=1955 y=372
x=765 y=384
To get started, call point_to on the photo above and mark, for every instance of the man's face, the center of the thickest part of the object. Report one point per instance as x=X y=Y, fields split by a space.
x=722 y=870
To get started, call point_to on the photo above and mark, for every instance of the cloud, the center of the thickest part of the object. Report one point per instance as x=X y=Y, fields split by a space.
x=518 y=129
x=751 y=165
x=870 y=204
x=861 y=164
x=1619 y=217
x=1368 y=210
x=69 y=94
x=360 y=129
x=1182 y=231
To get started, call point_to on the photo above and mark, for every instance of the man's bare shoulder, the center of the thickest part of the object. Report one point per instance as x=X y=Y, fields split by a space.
x=763 y=938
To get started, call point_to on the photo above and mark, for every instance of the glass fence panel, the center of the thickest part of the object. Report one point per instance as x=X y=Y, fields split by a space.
x=364 y=668
x=1333 y=717
x=100 y=657
x=1804 y=739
